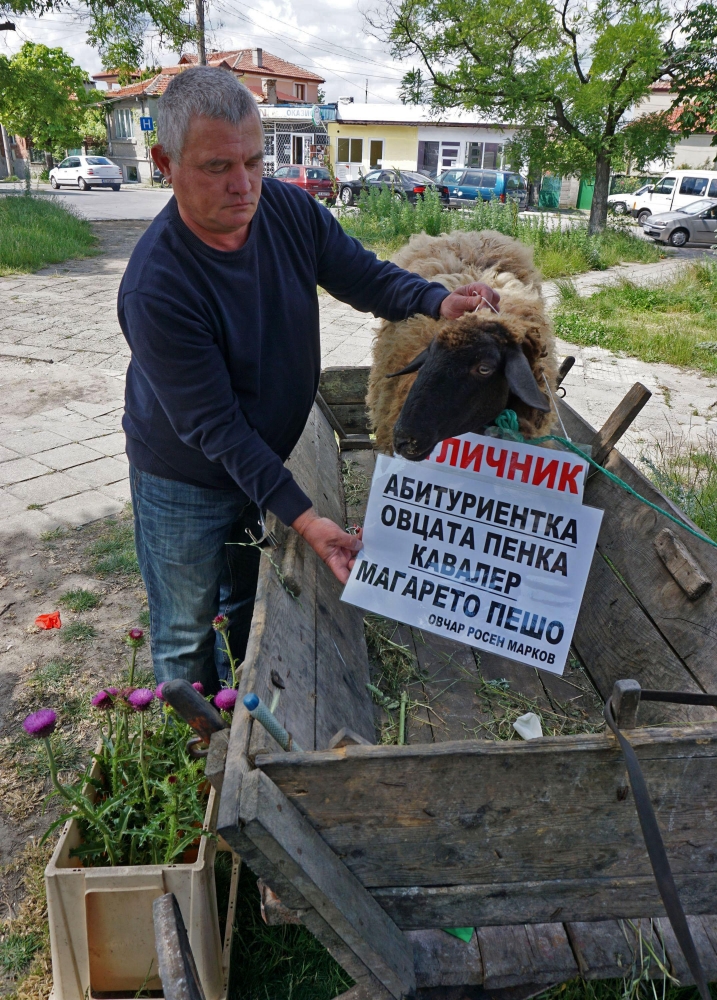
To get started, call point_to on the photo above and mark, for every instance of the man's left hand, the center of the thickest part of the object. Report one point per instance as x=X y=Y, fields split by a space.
x=468 y=298
x=336 y=547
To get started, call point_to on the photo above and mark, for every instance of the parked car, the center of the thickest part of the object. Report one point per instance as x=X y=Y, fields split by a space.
x=85 y=172
x=673 y=191
x=465 y=185
x=693 y=223
x=316 y=180
x=159 y=178
x=405 y=184
x=622 y=203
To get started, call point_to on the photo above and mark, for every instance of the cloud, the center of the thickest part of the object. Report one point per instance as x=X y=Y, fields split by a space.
x=328 y=37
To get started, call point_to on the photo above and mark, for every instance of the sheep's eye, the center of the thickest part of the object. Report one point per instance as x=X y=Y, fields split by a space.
x=485 y=370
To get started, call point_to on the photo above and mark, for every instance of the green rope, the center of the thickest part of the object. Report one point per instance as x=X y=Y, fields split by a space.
x=507 y=422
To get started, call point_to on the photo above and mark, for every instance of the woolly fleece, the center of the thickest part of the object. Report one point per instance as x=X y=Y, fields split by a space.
x=456 y=259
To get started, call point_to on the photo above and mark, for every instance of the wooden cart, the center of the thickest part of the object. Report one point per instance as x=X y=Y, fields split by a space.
x=537 y=845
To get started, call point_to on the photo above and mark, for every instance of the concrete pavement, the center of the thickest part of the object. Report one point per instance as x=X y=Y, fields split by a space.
x=63 y=359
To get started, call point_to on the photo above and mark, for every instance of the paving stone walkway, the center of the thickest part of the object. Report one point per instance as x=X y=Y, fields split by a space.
x=63 y=359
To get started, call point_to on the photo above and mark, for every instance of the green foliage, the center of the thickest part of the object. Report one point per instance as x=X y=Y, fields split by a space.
x=144 y=803
x=78 y=632
x=49 y=678
x=113 y=551
x=42 y=96
x=566 y=72
x=695 y=78
x=281 y=963
x=35 y=232
x=688 y=476
x=673 y=323
x=80 y=599
x=17 y=950
x=415 y=88
x=385 y=224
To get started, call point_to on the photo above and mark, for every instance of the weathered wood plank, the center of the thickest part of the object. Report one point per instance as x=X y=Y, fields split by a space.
x=353 y=417
x=450 y=688
x=615 y=639
x=571 y=900
x=538 y=953
x=360 y=472
x=601 y=948
x=341 y=658
x=440 y=959
x=344 y=385
x=703 y=944
x=626 y=539
x=281 y=833
x=681 y=564
x=481 y=813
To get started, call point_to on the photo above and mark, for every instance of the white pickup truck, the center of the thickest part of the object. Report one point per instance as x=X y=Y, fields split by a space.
x=675 y=189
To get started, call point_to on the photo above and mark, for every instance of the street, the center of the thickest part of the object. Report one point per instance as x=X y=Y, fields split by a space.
x=103 y=204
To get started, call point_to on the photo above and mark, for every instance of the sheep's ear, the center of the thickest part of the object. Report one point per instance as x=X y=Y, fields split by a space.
x=521 y=380
x=418 y=362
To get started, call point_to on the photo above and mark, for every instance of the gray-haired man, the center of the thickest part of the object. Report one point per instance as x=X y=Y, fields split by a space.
x=220 y=309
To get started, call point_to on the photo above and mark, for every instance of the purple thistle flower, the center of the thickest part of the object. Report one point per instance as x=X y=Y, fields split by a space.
x=158 y=692
x=225 y=700
x=220 y=623
x=136 y=633
x=40 y=724
x=112 y=691
x=140 y=699
x=198 y=686
x=103 y=700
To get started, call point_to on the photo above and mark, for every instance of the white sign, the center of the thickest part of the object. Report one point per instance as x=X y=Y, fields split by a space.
x=495 y=554
x=287 y=113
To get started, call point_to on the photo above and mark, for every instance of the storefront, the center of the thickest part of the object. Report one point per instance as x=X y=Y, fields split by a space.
x=295 y=135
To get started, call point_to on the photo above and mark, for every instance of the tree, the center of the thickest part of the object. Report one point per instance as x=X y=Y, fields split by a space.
x=118 y=29
x=414 y=89
x=43 y=97
x=567 y=72
x=695 y=77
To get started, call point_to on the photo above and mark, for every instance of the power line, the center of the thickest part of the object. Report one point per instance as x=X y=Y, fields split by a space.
x=298 y=51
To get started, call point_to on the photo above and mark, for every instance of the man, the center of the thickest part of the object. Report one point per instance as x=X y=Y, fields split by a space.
x=219 y=306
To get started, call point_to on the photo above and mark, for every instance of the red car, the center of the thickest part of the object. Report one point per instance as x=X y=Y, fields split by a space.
x=316 y=180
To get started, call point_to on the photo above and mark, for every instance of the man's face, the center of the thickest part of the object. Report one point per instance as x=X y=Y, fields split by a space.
x=217 y=183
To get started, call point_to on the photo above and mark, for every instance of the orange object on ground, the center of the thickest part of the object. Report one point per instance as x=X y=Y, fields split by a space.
x=49 y=621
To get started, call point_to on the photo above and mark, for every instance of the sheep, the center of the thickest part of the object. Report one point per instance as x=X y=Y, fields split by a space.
x=471 y=368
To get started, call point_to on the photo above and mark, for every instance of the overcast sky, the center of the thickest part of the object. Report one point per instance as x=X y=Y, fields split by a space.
x=328 y=37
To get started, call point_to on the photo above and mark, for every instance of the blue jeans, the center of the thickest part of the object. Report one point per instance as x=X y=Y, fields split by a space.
x=192 y=573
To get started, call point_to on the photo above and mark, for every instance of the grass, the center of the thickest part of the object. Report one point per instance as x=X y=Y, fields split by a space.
x=17 y=951
x=113 y=552
x=35 y=232
x=78 y=632
x=274 y=963
x=687 y=474
x=674 y=322
x=383 y=224
x=80 y=600
x=637 y=988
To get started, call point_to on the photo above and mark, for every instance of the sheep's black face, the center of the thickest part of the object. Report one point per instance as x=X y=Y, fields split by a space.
x=462 y=389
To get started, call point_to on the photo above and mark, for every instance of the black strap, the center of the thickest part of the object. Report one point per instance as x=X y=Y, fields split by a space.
x=653 y=838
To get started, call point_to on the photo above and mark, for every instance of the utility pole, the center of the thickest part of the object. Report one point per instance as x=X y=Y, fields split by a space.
x=6 y=26
x=201 y=44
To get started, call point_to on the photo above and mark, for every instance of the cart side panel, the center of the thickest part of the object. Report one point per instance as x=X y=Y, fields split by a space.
x=480 y=832
x=627 y=541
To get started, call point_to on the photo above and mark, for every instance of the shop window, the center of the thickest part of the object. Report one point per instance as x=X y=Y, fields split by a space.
x=449 y=154
x=428 y=158
x=492 y=155
x=349 y=151
x=474 y=154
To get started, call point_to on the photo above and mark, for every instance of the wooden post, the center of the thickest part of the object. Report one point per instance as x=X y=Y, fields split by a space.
x=201 y=41
x=625 y=700
x=619 y=421
x=565 y=366
x=177 y=970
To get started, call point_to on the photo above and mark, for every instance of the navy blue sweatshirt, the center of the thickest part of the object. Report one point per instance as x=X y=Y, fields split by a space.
x=225 y=345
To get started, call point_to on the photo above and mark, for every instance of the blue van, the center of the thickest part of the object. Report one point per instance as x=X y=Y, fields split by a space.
x=465 y=185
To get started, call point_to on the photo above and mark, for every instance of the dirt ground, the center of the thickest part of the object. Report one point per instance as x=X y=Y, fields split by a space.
x=59 y=668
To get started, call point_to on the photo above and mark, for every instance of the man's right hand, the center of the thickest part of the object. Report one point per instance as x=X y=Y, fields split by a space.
x=334 y=546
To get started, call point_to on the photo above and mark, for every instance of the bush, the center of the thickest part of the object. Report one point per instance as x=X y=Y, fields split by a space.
x=35 y=231
x=384 y=223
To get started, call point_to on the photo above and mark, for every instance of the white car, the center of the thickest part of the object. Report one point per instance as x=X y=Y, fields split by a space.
x=85 y=172
x=622 y=203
